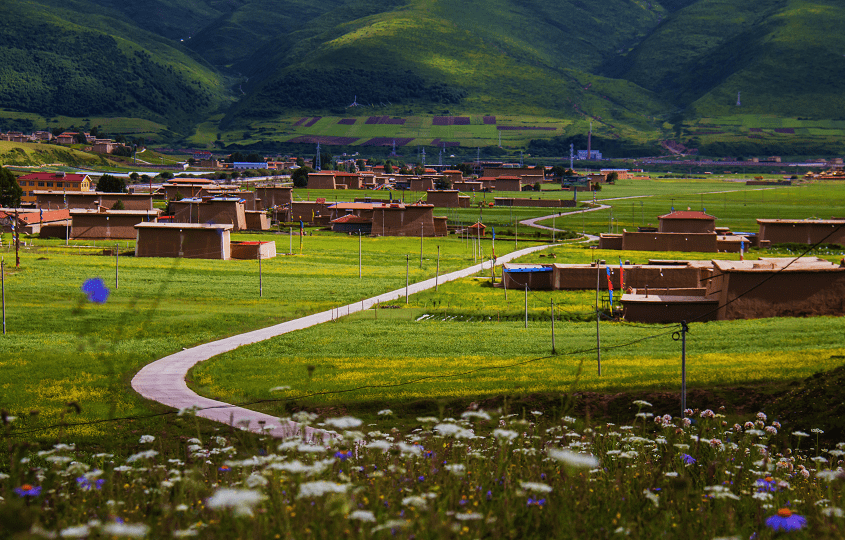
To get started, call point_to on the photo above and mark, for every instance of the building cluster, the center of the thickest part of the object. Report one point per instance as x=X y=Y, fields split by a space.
x=664 y=291
x=98 y=145
x=696 y=231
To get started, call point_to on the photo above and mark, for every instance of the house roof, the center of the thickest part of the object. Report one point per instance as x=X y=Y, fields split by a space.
x=37 y=217
x=687 y=214
x=351 y=218
x=55 y=177
x=354 y=206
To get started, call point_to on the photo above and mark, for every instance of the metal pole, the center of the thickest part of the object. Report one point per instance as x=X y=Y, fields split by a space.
x=407 y=272
x=553 y=227
x=290 y=242
x=421 y=243
x=17 y=240
x=116 y=257
x=684 y=330
x=260 y=282
x=359 y=254
x=598 y=316
x=553 y=327
x=3 y=281
x=526 y=305
x=437 y=272
x=516 y=234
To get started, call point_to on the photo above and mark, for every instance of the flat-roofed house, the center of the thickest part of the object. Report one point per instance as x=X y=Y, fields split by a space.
x=687 y=222
x=103 y=224
x=188 y=240
x=40 y=181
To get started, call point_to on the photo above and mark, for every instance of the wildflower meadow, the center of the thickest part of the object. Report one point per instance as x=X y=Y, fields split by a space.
x=482 y=474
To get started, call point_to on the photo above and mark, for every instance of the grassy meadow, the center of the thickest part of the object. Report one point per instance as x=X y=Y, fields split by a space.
x=61 y=348
x=499 y=474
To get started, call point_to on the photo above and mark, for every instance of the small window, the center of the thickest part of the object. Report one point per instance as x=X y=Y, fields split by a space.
x=49 y=184
x=40 y=184
x=59 y=184
x=32 y=184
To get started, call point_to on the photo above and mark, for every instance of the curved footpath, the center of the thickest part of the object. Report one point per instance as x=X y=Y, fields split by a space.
x=587 y=237
x=164 y=380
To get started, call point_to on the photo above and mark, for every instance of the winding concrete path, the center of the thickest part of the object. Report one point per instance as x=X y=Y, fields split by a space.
x=164 y=380
x=533 y=222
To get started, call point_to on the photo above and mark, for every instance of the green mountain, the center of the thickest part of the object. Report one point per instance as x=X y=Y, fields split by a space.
x=76 y=59
x=627 y=66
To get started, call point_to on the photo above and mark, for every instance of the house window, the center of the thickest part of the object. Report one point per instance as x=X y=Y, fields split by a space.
x=32 y=184
x=40 y=184
x=59 y=184
x=49 y=184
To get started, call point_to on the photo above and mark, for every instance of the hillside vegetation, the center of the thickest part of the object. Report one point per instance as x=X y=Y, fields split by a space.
x=639 y=71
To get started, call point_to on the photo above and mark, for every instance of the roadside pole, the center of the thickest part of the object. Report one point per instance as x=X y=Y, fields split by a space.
x=260 y=281
x=116 y=261
x=526 y=305
x=3 y=281
x=359 y=254
x=553 y=327
x=598 y=315
x=437 y=272
x=407 y=272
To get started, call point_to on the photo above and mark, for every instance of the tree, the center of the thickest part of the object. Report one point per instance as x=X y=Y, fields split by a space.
x=10 y=191
x=134 y=176
x=111 y=184
x=612 y=177
x=388 y=167
x=300 y=176
x=360 y=164
x=118 y=205
x=300 y=162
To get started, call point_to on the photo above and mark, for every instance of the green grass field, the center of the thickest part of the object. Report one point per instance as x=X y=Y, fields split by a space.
x=61 y=348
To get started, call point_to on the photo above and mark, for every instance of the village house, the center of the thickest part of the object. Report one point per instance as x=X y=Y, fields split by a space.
x=40 y=181
x=104 y=224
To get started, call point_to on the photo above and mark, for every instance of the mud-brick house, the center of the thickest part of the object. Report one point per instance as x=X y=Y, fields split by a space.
x=188 y=240
x=104 y=224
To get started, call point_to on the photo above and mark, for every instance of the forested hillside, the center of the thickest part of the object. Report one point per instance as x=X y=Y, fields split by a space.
x=628 y=66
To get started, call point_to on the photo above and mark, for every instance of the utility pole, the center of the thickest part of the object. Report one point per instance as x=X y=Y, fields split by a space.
x=437 y=272
x=407 y=272
x=260 y=282
x=17 y=240
x=422 y=226
x=3 y=281
x=116 y=257
x=359 y=254
x=598 y=316
x=553 y=327
x=684 y=330
x=526 y=304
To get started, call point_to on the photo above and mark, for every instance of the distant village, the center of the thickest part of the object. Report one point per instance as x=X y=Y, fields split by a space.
x=199 y=215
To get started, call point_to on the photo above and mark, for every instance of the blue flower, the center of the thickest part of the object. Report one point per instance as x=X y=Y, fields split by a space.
x=421 y=478
x=28 y=490
x=343 y=456
x=767 y=484
x=489 y=495
x=87 y=485
x=785 y=520
x=688 y=459
x=536 y=502
x=96 y=290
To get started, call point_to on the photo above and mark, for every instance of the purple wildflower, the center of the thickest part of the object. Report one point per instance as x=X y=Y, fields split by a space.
x=28 y=490
x=785 y=520
x=421 y=478
x=87 y=485
x=343 y=456
x=96 y=290
x=536 y=502
x=688 y=459
x=767 y=484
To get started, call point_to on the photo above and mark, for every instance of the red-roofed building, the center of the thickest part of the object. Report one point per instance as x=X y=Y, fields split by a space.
x=30 y=222
x=687 y=221
x=47 y=181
